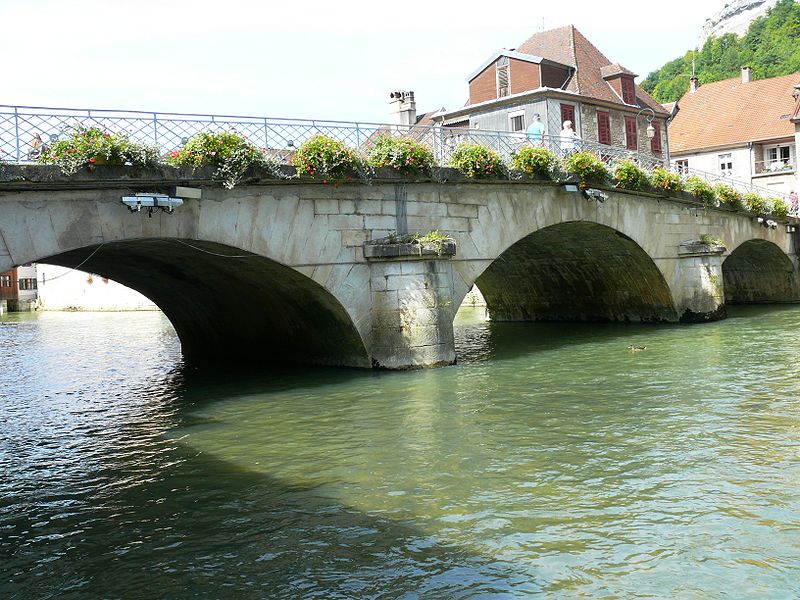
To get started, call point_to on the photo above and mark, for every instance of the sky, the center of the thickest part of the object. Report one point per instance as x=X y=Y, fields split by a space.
x=304 y=59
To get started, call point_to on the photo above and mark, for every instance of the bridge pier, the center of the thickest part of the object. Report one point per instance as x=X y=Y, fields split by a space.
x=412 y=308
x=699 y=291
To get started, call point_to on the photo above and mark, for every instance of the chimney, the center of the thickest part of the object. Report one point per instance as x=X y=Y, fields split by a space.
x=694 y=83
x=402 y=108
x=747 y=74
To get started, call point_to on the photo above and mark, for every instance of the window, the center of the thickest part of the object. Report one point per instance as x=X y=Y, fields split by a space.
x=682 y=166
x=726 y=165
x=604 y=127
x=777 y=157
x=568 y=114
x=503 y=87
x=630 y=132
x=655 y=143
x=628 y=90
x=5 y=281
x=517 y=121
x=27 y=284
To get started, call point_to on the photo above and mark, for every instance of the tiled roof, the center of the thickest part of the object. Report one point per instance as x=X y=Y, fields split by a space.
x=615 y=69
x=568 y=46
x=729 y=113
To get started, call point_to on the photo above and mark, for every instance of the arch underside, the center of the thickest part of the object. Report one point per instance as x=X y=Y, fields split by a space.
x=576 y=271
x=758 y=272
x=230 y=309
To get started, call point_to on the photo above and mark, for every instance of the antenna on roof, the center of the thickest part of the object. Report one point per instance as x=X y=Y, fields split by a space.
x=693 y=55
x=542 y=23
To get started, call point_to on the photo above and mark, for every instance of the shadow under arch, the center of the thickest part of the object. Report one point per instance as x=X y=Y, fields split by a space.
x=227 y=304
x=576 y=271
x=758 y=271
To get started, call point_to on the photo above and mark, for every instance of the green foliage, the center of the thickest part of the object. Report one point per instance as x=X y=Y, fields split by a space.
x=770 y=47
x=778 y=207
x=325 y=158
x=230 y=152
x=477 y=161
x=754 y=203
x=711 y=241
x=666 y=180
x=87 y=147
x=629 y=176
x=433 y=239
x=727 y=195
x=404 y=154
x=534 y=160
x=700 y=189
x=586 y=165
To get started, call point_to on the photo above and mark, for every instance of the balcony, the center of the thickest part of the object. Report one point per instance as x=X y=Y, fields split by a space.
x=774 y=167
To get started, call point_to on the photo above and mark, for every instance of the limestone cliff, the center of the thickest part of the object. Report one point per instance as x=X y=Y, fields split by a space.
x=734 y=17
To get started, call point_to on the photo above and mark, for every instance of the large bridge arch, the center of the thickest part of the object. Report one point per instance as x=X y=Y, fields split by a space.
x=227 y=304
x=576 y=271
x=759 y=271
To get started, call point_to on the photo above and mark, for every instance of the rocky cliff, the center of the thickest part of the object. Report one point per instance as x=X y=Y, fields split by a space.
x=734 y=17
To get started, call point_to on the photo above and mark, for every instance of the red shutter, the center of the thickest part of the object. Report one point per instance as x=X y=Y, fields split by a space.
x=628 y=91
x=655 y=143
x=568 y=114
x=603 y=127
x=630 y=132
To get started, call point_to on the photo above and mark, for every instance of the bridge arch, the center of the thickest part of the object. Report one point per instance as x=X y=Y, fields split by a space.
x=759 y=271
x=576 y=271
x=229 y=304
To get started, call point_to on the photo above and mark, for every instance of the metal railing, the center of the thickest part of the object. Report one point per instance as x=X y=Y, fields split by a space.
x=774 y=167
x=741 y=186
x=21 y=128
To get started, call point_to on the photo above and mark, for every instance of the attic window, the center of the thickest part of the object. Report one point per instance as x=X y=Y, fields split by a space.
x=628 y=90
x=503 y=87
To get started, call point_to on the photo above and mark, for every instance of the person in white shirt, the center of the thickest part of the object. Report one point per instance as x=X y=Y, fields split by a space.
x=569 y=140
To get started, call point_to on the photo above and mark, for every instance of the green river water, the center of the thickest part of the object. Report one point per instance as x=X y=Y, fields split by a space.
x=550 y=462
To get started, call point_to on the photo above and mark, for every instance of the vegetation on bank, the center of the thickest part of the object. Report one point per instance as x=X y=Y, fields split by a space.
x=770 y=47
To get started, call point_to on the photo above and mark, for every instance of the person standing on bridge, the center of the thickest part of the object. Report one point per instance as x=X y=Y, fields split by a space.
x=569 y=140
x=793 y=209
x=535 y=130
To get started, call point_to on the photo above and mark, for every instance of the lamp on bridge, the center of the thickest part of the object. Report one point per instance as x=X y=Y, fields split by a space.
x=651 y=131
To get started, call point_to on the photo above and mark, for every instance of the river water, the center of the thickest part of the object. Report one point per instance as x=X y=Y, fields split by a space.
x=550 y=462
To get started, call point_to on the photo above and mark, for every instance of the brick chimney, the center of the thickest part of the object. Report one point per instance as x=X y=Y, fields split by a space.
x=694 y=83
x=747 y=74
x=402 y=108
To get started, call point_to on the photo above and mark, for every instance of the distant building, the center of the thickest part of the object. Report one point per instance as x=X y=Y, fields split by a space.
x=61 y=288
x=561 y=76
x=18 y=289
x=740 y=128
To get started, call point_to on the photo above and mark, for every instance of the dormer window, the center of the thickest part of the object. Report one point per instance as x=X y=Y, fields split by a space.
x=503 y=87
x=628 y=90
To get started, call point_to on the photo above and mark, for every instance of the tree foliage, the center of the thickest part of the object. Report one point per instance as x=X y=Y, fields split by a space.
x=770 y=47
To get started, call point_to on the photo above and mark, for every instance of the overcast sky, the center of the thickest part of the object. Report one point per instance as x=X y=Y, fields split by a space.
x=302 y=59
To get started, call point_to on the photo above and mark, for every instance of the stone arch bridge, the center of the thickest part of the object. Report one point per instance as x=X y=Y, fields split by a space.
x=284 y=270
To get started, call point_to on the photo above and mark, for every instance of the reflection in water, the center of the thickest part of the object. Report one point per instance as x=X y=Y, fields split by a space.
x=549 y=461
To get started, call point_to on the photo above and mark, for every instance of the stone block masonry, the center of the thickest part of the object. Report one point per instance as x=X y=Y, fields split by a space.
x=289 y=270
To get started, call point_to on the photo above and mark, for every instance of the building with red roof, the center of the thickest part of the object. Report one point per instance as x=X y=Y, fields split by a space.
x=562 y=76
x=740 y=128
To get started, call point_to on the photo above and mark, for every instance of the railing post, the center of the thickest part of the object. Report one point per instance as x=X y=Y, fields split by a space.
x=266 y=135
x=16 y=132
x=358 y=136
x=155 y=129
